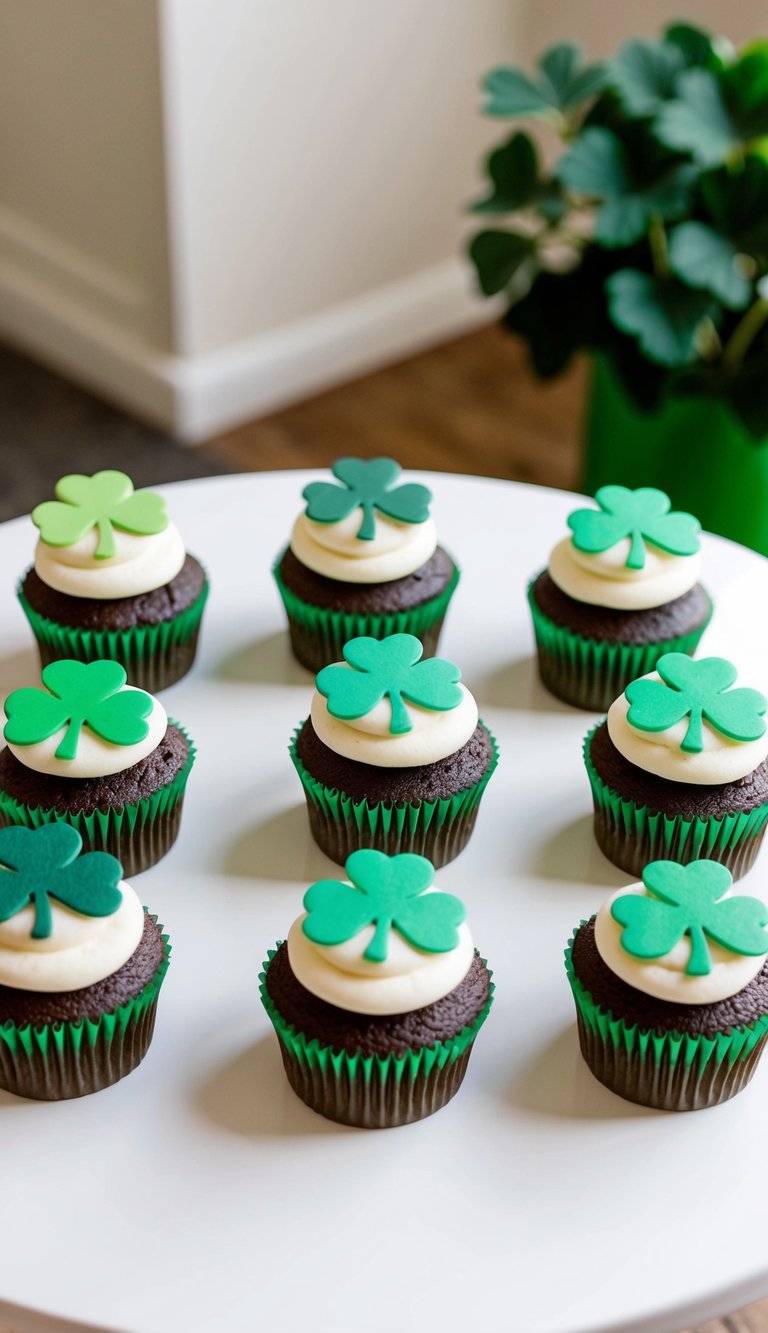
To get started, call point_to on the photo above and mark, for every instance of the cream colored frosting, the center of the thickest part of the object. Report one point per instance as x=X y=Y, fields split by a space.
x=140 y=564
x=408 y=979
x=95 y=758
x=80 y=950
x=721 y=760
x=603 y=579
x=335 y=550
x=369 y=740
x=666 y=978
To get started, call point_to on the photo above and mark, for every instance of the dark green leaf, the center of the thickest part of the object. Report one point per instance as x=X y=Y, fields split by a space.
x=698 y=121
x=695 y=45
x=745 y=87
x=595 y=165
x=514 y=170
x=512 y=93
x=644 y=73
x=497 y=256
x=598 y=165
x=550 y=201
x=562 y=82
x=562 y=313
x=737 y=203
x=662 y=314
x=701 y=257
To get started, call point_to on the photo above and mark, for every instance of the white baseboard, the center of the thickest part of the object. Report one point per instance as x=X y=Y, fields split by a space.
x=197 y=397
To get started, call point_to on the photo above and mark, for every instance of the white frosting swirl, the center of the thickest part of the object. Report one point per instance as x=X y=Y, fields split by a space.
x=369 y=740
x=335 y=550
x=666 y=978
x=95 y=758
x=140 y=564
x=721 y=760
x=80 y=950
x=603 y=579
x=408 y=979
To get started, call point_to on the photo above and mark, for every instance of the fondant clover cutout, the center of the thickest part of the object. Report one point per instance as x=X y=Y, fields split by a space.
x=104 y=501
x=699 y=690
x=389 y=668
x=689 y=900
x=78 y=694
x=44 y=863
x=643 y=516
x=387 y=892
x=368 y=486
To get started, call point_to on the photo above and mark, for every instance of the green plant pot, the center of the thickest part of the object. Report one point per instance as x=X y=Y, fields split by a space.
x=692 y=448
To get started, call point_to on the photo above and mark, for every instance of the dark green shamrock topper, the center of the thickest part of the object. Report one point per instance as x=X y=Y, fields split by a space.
x=105 y=501
x=387 y=668
x=643 y=516
x=77 y=695
x=44 y=863
x=701 y=690
x=689 y=900
x=386 y=891
x=368 y=486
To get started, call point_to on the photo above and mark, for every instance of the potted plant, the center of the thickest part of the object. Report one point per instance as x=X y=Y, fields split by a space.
x=646 y=244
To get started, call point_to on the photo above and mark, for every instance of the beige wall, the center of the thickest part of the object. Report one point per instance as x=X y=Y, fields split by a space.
x=602 y=25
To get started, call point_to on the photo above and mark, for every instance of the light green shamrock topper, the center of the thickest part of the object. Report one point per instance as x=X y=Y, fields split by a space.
x=105 y=501
x=699 y=689
x=366 y=485
x=642 y=515
x=78 y=694
x=385 y=891
x=43 y=863
x=387 y=668
x=689 y=900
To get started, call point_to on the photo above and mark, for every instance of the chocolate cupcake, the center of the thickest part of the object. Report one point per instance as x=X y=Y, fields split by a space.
x=363 y=560
x=618 y=593
x=670 y=981
x=112 y=579
x=378 y=994
x=679 y=768
x=81 y=965
x=393 y=755
x=96 y=753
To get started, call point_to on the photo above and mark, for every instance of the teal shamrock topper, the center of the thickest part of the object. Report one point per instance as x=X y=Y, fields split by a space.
x=389 y=668
x=44 y=863
x=643 y=516
x=77 y=695
x=689 y=900
x=699 y=690
x=386 y=891
x=368 y=486
x=105 y=501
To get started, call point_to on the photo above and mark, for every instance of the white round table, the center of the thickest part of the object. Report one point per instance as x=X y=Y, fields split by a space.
x=200 y=1194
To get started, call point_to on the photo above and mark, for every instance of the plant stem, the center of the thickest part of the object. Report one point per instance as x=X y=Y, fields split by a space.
x=657 y=239
x=745 y=333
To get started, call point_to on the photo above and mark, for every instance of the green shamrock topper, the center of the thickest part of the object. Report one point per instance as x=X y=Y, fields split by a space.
x=642 y=515
x=689 y=900
x=389 y=668
x=699 y=689
x=78 y=694
x=385 y=891
x=105 y=501
x=44 y=863
x=368 y=486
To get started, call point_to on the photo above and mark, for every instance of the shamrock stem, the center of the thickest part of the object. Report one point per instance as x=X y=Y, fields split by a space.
x=43 y=923
x=367 y=530
x=636 y=557
x=377 y=949
x=699 y=964
x=693 y=741
x=106 y=545
x=401 y=719
x=67 y=748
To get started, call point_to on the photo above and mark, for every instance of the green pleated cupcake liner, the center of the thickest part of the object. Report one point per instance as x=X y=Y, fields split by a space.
x=590 y=673
x=670 y=1071
x=154 y=656
x=437 y=829
x=56 y=1061
x=372 y=1092
x=139 y=834
x=318 y=634
x=631 y=834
